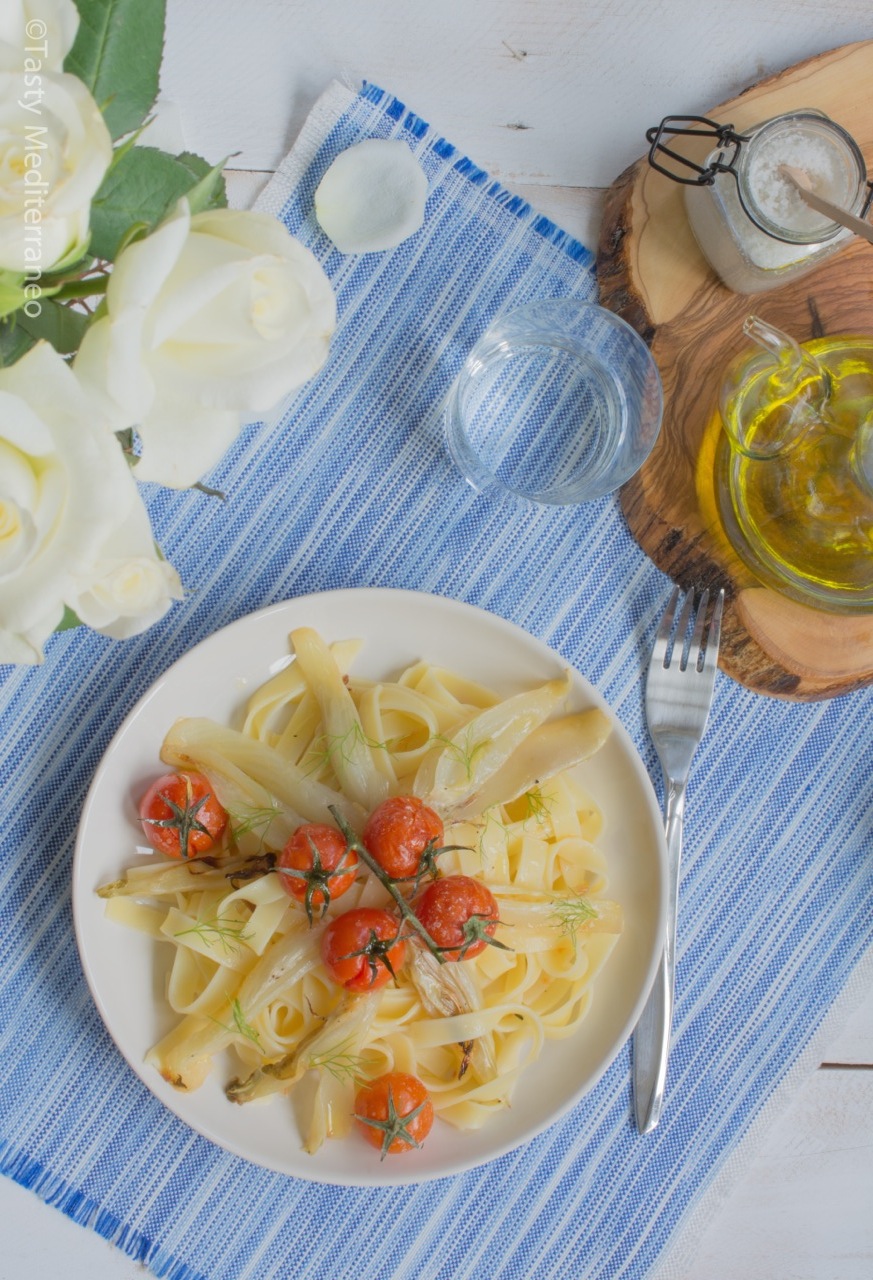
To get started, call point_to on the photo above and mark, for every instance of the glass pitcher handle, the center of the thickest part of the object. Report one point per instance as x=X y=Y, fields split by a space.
x=772 y=399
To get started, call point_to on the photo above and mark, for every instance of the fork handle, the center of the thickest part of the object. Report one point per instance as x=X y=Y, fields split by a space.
x=651 y=1040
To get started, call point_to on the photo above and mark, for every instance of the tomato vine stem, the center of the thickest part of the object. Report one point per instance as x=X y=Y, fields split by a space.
x=381 y=875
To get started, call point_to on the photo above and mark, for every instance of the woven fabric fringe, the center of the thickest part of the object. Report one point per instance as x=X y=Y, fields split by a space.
x=86 y=1212
x=348 y=484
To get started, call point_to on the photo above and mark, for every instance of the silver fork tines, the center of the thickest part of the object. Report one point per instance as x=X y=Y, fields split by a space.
x=679 y=690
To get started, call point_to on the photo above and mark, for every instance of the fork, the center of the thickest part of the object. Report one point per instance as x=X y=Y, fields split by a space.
x=679 y=692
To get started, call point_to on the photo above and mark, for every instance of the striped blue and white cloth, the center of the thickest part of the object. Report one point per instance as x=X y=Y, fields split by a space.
x=352 y=487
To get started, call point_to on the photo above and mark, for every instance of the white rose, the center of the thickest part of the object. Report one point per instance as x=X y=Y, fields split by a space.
x=128 y=586
x=70 y=514
x=36 y=33
x=54 y=150
x=208 y=318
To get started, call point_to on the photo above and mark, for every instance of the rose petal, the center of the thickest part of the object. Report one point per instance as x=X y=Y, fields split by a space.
x=109 y=364
x=18 y=536
x=57 y=23
x=142 y=268
x=181 y=443
x=372 y=197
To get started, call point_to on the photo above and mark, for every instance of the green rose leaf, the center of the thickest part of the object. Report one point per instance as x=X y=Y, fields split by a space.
x=12 y=295
x=141 y=189
x=69 y=620
x=117 y=53
x=63 y=327
x=209 y=190
x=14 y=341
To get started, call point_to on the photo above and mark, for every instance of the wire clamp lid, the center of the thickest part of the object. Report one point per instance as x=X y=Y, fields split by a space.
x=726 y=140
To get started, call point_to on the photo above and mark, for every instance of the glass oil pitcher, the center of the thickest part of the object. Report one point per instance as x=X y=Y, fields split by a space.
x=795 y=485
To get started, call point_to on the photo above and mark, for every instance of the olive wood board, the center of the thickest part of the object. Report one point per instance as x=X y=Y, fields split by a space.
x=651 y=272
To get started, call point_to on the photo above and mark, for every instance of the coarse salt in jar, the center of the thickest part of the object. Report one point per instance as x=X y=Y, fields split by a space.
x=750 y=222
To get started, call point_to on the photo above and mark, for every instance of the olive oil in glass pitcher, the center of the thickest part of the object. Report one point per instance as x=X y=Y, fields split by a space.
x=795 y=478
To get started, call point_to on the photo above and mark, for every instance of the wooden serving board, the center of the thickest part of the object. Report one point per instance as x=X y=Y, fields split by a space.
x=651 y=272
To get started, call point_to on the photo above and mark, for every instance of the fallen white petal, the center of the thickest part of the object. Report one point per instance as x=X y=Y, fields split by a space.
x=372 y=197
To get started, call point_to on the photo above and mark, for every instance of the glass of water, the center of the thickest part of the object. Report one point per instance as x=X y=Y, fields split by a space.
x=559 y=402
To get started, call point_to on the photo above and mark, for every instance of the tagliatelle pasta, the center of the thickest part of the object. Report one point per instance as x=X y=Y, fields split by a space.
x=318 y=744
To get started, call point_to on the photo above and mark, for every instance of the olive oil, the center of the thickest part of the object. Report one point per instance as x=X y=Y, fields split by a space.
x=797 y=497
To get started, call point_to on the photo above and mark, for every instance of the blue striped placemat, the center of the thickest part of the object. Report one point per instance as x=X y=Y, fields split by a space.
x=350 y=485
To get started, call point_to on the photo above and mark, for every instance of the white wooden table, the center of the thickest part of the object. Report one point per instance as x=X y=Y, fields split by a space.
x=553 y=98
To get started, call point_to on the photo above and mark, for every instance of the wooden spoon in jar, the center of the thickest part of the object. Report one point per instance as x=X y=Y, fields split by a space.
x=800 y=180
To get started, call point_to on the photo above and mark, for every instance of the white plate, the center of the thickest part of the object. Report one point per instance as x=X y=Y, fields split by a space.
x=126 y=970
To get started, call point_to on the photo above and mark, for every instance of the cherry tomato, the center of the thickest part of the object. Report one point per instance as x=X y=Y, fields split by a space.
x=460 y=914
x=394 y=1113
x=362 y=948
x=321 y=865
x=181 y=816
x=399 y=833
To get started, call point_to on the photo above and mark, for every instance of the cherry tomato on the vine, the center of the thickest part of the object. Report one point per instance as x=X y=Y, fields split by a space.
x=181 y=816
x=362 y=948
x=316 y=866
x=399 y=833
x=460 y=914
x=394 y=1112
